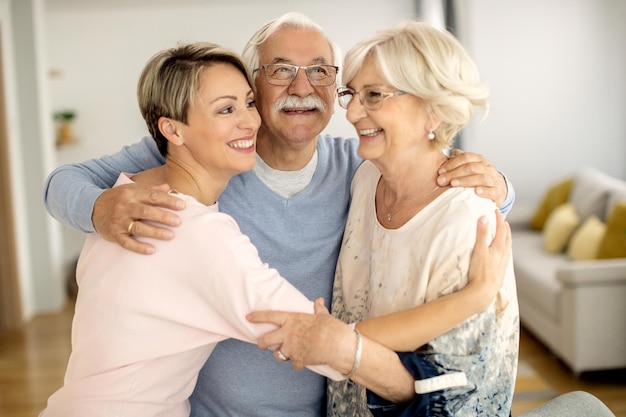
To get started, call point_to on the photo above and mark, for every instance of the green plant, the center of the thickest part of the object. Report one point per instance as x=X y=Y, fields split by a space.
x=65 y=115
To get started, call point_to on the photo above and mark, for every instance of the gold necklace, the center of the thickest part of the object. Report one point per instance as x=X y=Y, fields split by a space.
x=390 y=216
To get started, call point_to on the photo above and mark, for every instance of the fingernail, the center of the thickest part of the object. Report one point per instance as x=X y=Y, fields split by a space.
x=180 y=204
x=441 y=180
x=455 y=183
x=167 y=234
x=441 y=171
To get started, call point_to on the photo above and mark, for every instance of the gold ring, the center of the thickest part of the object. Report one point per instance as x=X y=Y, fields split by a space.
x=130 y=227
x=281 y=356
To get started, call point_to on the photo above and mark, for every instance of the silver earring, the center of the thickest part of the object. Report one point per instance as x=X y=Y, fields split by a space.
x=431 y=135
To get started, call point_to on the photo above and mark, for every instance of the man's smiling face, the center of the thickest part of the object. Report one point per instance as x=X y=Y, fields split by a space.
x=303 y=110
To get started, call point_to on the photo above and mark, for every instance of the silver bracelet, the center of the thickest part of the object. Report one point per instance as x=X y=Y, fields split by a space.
x=357 y=354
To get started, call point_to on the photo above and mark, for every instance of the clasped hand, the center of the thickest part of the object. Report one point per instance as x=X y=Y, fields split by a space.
x=306 y=339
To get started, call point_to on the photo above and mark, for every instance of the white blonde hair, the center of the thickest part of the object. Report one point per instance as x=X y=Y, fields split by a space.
x=428 y=63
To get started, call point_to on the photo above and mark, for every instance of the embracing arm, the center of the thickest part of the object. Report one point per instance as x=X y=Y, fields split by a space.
x=467 y=169
x=71 y=190
x=323 y=339
x=80 y=195
x=399 y=331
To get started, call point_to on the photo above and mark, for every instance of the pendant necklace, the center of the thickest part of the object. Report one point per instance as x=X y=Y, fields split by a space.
x=389 y=215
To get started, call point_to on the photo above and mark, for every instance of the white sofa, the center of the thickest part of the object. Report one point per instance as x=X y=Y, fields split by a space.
x=577 y=308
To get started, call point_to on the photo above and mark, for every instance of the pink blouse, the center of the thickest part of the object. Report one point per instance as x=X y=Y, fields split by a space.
x=145 y=324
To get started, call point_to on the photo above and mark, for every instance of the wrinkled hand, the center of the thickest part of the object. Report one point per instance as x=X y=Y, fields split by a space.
x=466 y=169
x=489 y=262
x=117 y=207
x=306 y=339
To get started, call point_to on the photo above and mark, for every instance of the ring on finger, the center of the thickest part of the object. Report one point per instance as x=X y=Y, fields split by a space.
x=281 y=355
x=130 y=227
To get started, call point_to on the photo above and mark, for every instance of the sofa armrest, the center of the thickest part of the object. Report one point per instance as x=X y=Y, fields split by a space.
x=593 y=273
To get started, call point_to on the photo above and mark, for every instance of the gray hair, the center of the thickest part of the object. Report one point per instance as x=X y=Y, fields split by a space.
x=297 y=20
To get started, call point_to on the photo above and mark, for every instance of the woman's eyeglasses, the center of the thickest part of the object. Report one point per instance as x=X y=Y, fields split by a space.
x=370 y=97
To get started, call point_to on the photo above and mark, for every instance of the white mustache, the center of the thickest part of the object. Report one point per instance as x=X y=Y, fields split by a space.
x=295 y=102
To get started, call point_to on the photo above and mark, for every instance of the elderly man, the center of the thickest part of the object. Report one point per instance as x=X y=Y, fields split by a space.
x=292 y=205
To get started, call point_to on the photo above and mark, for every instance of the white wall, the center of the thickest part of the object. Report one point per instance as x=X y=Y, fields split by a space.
x=557 y=72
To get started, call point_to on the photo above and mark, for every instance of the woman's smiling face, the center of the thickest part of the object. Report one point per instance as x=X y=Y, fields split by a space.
x=222 y=122
x=399 y=123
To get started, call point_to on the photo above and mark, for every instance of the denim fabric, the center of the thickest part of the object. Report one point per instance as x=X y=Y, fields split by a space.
x=422 y=404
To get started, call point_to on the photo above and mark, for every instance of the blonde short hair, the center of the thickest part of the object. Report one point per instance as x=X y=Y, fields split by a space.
x=428 y=63
x=171 y=79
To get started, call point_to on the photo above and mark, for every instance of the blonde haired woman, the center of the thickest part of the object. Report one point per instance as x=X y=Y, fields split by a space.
x=409 y=90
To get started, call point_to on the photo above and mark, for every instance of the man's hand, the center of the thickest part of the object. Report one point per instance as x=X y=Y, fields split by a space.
x=466 y=169
x=118 y=207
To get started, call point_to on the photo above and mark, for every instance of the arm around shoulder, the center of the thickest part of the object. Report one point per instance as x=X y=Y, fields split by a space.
x=71 y=190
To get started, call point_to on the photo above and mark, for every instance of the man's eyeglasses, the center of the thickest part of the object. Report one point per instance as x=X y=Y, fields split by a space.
x=284 y=74
x=370 y=97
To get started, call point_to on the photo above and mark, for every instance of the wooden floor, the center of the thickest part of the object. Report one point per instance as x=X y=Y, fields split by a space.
x=32 y=364
x=608 y=386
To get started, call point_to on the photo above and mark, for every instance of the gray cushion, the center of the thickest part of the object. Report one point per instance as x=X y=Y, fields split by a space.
x=590 y=192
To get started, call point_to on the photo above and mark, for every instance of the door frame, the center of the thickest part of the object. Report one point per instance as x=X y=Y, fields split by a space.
x=10 y=298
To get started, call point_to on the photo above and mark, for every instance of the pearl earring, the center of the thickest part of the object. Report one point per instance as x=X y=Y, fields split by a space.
x=431 y=135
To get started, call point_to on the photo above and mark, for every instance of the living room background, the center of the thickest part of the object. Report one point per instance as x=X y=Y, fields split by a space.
x=557 y=72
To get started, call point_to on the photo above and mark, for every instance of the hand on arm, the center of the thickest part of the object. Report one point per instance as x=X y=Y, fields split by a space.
x=407 y=330
x=466 y=169
x=117 y=207
x=322 y=339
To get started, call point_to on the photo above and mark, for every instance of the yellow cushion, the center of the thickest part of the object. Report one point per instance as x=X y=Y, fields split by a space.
x=559 y=226
x=554 y=197
x=613 y=245
x=584 y=243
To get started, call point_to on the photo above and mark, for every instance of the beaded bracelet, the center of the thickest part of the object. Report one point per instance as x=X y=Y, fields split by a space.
x=357 y=354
